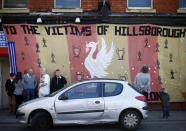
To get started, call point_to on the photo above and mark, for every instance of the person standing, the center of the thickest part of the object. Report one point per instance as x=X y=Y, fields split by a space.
x=10 y=87
x=18 y=89
x=30 y=83
x=164 y=97
x=143 y=80
x=44 y=85
x=57 y=82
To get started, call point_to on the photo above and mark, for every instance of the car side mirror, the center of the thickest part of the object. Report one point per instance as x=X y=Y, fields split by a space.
x=63 y=97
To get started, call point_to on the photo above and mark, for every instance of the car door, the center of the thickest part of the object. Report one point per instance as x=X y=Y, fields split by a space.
x=82 y=103
x=113 y=99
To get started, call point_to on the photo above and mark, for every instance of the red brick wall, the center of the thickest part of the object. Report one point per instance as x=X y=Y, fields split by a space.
x=161 y=6
x=40 y=5
x=47 y=5
x=166 y=6
x=118 y=6
x=88 y=5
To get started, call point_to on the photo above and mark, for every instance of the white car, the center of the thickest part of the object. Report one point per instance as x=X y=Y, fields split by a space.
x=87 y=102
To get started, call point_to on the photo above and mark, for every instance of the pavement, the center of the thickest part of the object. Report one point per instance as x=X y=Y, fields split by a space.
x=153 y=116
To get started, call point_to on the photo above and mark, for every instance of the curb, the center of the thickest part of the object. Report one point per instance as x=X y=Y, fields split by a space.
x=164 y=120
x=2 y=123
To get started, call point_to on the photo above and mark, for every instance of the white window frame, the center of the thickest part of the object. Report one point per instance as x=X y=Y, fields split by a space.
x=67 y=8
x=13 y=8
x=181 y=7
x=140 y=7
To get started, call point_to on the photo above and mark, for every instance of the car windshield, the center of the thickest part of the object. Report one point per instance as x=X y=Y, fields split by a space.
x=54 y=93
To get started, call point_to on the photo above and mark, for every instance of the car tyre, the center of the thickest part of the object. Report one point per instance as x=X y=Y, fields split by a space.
x=130 y=120
x=41 y=122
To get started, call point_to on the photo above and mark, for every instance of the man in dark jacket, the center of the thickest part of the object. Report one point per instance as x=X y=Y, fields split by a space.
x=57 y=82
x=164 y=97
x=10 y=87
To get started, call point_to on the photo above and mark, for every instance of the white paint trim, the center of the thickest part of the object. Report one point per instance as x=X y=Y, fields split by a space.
x=67 y=10
x=181 y=10
x=141 y=10
x=14 y=10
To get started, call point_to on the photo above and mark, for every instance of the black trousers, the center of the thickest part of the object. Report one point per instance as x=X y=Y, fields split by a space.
x=145 y=94
x=19 y=100
x=166 y=113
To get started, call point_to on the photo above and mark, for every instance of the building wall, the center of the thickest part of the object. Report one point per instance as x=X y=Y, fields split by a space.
x=89 y=5
x=40 y=5
x=83 y=56
x=166 y=6
x=4 y=72
x=117 y=6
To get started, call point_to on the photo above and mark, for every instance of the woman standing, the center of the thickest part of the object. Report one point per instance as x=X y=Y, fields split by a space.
x=44 y=85
x=18 y=89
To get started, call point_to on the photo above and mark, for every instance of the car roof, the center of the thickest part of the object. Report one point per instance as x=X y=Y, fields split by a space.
x=103 y=79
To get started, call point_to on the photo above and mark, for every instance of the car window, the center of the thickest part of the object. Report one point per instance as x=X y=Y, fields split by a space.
x=112 y=89
x=87 y=90
x=134 y=88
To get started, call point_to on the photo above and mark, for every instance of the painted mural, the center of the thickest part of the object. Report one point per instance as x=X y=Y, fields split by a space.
x=105 y=51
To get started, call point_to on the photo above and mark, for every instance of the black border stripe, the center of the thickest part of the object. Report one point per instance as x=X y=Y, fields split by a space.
x=76 y=112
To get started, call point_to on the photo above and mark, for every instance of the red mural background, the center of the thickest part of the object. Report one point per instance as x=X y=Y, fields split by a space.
x=25 y=45
x=142 y=51
x=77 y=53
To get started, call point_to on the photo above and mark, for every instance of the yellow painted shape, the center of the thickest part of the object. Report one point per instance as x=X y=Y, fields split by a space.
x=56 y=44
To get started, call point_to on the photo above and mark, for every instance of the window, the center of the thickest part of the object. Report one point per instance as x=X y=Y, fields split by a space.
x=15 y=3
x=112 y=89
x=3 y=42
x=88 y=90
x=67 y=4
x=182 y=4
x=140 y=4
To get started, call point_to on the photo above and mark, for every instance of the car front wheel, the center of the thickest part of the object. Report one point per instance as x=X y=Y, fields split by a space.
x=130 y=120
x=41 y=121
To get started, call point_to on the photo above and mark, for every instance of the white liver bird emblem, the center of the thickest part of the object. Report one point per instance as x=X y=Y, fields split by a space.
x=97 y=66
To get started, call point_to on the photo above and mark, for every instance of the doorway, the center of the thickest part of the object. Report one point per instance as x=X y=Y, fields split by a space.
x=4 y=73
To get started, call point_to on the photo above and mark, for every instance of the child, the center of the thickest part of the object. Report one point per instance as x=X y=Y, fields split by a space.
x=164 y=97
